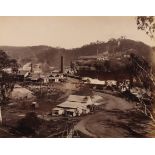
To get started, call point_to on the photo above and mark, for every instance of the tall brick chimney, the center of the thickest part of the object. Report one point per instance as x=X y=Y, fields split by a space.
x=31 y=68
x=62 y=65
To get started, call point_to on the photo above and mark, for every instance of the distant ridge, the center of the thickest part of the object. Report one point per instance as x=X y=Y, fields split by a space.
x=51 y=55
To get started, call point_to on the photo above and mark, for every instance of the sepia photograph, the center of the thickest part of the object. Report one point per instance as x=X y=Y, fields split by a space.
x=77 y=76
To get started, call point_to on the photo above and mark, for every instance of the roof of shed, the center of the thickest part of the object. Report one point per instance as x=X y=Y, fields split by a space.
x=78 y=98
x=72 y=105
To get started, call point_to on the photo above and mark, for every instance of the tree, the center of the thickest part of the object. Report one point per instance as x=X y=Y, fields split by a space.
x=28 y=125
x=112 y=45
x=7 y=80
x=147 y=24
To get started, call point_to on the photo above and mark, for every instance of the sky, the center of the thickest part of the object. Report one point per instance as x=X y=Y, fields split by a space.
x=67 y=31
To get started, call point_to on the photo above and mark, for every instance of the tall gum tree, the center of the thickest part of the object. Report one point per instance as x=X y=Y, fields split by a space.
x=147 y=24
x=7 y=80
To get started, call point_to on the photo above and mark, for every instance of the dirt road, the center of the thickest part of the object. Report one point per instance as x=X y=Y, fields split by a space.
x=118 y=118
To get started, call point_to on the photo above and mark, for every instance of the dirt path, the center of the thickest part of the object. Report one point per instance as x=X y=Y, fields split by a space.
x=81 y=127
x=118 y=119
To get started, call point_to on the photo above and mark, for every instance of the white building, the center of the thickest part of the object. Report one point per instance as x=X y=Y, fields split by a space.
x=57 y=111
x=37 y=68
x=27 y=67
x=96 y=82
x=8 y=70
x=56 y=77
x=75 y=105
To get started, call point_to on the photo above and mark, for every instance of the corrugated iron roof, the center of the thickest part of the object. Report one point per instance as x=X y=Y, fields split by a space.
x=76 y=101
x=72 y=105
x=78 y=98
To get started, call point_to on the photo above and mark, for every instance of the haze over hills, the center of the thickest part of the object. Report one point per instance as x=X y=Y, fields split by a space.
x=51 y=55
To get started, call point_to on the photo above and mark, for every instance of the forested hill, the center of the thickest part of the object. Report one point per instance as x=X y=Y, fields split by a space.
x=51 y=55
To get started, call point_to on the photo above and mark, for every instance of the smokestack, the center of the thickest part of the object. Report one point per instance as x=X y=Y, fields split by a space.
x=62 y=65
x=31 y=68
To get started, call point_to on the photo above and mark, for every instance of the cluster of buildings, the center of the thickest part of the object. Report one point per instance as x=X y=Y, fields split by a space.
x=34 y=73
x=111 y=83
x=77 y=105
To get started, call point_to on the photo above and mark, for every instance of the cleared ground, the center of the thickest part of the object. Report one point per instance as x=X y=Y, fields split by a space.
x=118 y=118
x=47 y=97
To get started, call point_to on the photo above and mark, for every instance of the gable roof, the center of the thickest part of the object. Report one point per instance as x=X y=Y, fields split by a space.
x=78 y=98
x=76 y=101
x=71 y=105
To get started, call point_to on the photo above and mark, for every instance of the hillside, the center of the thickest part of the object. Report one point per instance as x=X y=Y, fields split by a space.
x=51 y=55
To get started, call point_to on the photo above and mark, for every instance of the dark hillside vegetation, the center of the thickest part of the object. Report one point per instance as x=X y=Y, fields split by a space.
x=51 y=55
